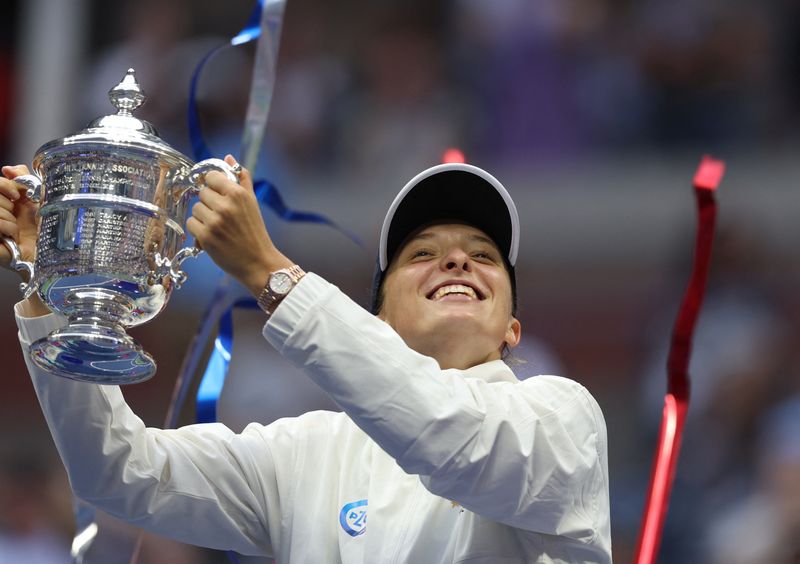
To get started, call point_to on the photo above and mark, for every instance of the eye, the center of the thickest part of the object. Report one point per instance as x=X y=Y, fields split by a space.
x=420 y=254
x=486 y=256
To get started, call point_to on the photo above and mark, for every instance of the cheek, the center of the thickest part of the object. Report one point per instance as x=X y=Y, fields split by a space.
x=394 y=298
x=402 y=285
x=502 y=291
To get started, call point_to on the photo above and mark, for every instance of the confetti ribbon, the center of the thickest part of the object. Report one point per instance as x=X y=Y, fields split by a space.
x=267 y=14
x=271 y=12
x=265 y=25
x=85 y=529
x=261 y=86
x=217 y=367
x=676 y=402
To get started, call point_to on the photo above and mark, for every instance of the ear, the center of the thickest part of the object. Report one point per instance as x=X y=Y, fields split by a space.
x=513 y=333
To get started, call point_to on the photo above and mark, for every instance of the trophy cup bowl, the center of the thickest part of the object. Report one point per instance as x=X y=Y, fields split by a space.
x=113 y=201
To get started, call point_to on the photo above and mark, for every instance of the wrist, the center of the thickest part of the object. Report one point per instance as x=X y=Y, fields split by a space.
x=33 y=306
x=278 y=286
x=256 y=280
x=258 y=277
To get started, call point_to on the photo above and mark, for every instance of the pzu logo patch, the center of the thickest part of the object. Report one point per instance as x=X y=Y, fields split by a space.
x=353 y=518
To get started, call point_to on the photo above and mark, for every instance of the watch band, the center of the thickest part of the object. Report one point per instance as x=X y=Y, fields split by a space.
x=278 y=286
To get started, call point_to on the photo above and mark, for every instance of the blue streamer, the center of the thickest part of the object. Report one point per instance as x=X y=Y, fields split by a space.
x=216 y=371
x=268 y=194
x=252 y=29
x=214 y=377
x=250 y=32
x=217 y=368
x=199 y=147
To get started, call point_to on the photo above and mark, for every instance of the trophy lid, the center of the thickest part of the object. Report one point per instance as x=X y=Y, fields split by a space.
x=126 y=96
x=120 y=131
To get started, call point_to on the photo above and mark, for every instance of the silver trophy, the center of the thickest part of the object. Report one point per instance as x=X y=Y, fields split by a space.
x=113 y=201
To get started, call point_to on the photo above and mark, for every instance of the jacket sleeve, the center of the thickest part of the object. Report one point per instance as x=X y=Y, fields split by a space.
x=531 y=454
x=224 y=483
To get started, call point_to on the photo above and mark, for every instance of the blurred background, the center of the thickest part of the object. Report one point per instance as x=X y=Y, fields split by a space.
x=593 y=114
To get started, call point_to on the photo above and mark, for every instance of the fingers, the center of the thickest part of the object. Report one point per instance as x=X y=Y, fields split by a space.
x=211 y=198
x=224 y=198
x=246 y=180
x=217 y=182
x=10 y=191
x=7 y=201
x=220 y=183
x=10 y=194
x=203 y=221
x=8 y=227
x=196 y=229
x=227 y=221
x=7 y=215
x=203 y=213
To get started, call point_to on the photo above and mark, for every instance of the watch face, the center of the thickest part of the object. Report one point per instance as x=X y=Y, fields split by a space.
x=280 y=283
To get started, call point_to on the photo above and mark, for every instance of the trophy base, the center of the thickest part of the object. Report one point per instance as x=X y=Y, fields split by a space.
x=90 y=352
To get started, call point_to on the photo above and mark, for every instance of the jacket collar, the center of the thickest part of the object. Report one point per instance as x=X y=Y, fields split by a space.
x=492 y=371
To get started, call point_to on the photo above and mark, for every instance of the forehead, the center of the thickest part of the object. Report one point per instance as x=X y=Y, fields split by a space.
x=448 y=230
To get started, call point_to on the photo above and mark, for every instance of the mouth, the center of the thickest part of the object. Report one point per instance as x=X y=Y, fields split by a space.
x=455 y=291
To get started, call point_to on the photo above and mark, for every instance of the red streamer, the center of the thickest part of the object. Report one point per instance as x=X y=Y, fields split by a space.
x=706 y=179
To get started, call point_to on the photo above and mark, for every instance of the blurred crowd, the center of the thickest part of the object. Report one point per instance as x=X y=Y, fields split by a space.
x=507 y=80
x=736 y=490
x=379 y=90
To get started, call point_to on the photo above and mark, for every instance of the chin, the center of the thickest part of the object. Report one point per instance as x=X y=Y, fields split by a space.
x=460 y=314
x=459 y=325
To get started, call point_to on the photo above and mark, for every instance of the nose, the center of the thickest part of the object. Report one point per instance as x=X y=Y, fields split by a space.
x=456 y=259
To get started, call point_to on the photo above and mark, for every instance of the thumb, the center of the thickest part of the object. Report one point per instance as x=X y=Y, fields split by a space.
x=245 y=178
x=12 y=171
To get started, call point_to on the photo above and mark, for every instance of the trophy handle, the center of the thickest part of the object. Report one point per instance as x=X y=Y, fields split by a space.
x=33 y=184
x=27 y=288
x=171 y=267
x=199 y=170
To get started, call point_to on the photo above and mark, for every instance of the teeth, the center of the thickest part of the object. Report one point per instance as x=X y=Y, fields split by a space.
x=454 y=289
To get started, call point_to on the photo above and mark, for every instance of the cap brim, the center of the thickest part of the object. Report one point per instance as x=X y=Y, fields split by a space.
x=457 y=192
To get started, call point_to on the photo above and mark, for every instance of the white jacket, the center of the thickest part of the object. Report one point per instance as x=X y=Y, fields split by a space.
x=425 y=465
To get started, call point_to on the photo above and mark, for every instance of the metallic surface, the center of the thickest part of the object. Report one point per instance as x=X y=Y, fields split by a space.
x=113 y=199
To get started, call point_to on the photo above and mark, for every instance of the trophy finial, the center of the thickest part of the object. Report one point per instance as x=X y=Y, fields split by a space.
x=127 y=95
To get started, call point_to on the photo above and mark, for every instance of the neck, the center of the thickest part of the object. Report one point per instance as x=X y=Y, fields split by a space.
x=460 y=354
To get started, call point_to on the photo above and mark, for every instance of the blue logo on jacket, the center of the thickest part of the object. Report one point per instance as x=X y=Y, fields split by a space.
x=353 y=518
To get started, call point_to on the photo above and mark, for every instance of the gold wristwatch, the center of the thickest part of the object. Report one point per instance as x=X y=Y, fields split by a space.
x=278 y=286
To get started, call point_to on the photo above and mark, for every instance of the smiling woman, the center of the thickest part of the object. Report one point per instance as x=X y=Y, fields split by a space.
x=440 y=454
x=447 y=293
x=457 y=193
